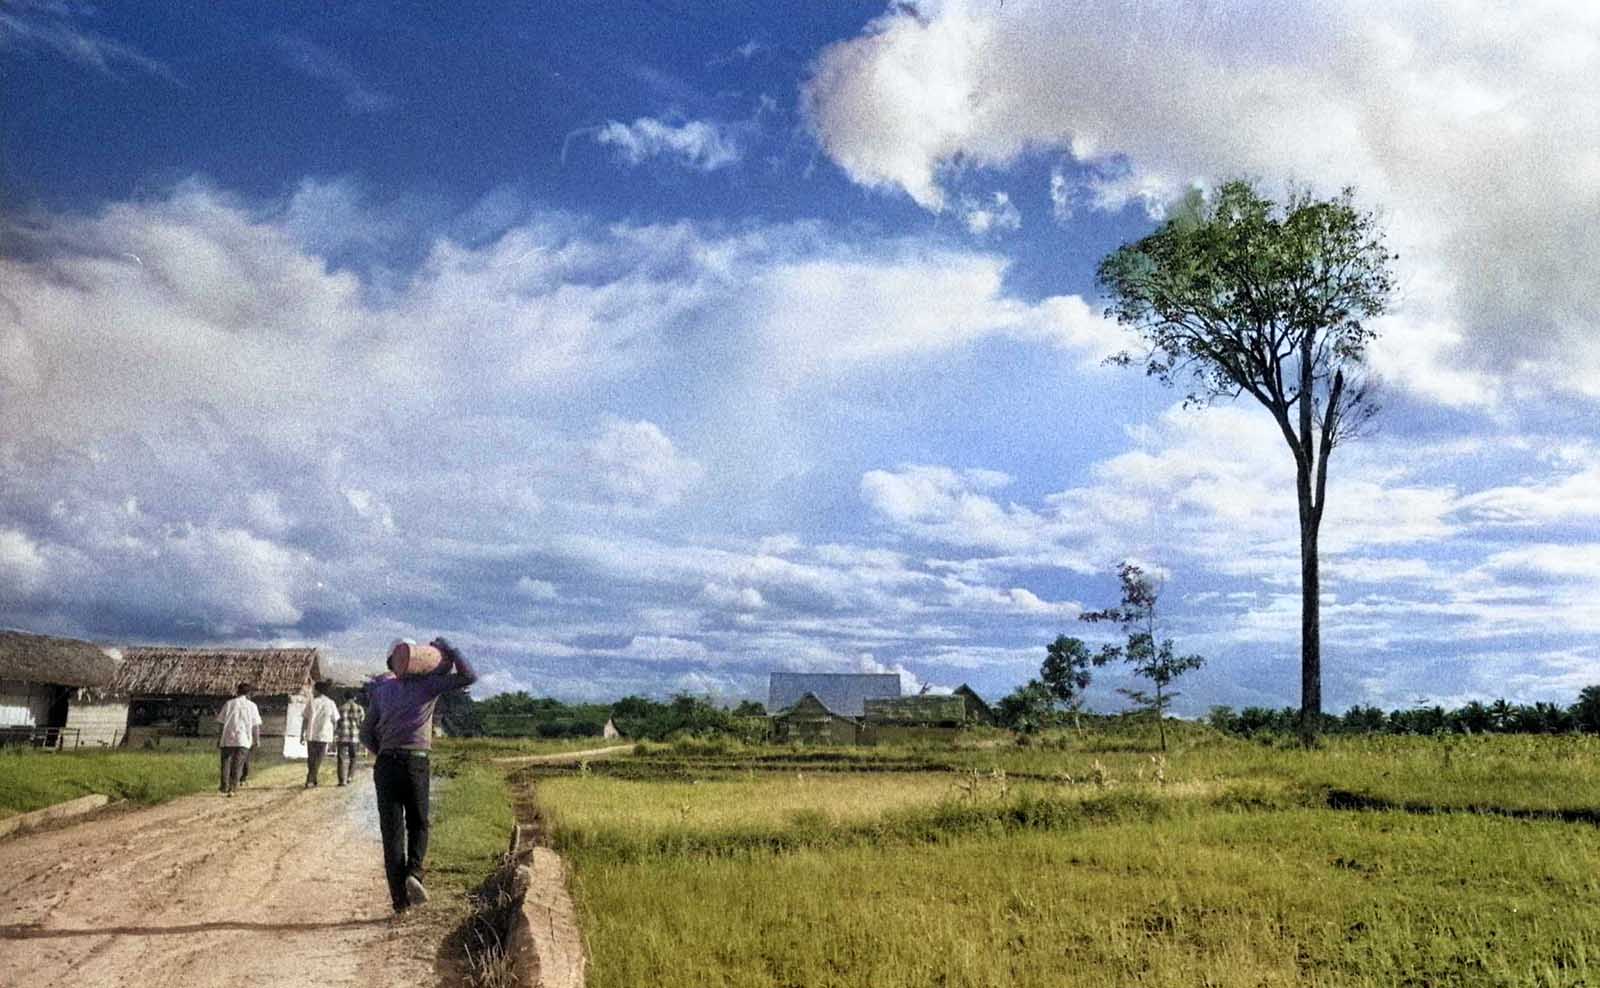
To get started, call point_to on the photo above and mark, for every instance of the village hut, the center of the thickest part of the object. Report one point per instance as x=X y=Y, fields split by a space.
x=978 y=711
x=175 y=693
x=58 y=692
x=824 y=708
x=913 y=718
x=610 y=732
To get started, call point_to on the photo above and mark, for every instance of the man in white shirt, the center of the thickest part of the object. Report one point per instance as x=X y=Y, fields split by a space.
x=241 y=731
x=316 y=730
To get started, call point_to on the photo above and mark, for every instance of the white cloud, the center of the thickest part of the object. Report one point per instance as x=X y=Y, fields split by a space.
x=1468 y=123
x=49 y=26
x=698 y=144
x=22 y=564
x=663 y=648
x=910 y=683
x=733 y=598
x=541 y=590
x=824 y=314
x=997 y=214
x=636 y=462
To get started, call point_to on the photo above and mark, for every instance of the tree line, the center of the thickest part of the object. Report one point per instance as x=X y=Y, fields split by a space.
x=520 y=715
x=1474 y=717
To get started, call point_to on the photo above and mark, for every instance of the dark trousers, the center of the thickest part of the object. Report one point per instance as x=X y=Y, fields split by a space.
x=401 y=779
x=234 y=759
x=314 y=752
x=345 y=752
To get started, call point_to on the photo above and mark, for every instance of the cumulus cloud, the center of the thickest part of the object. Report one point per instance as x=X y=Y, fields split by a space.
x=635 y=461
x=698 y=144
x=1468 y=124
x=826 y=314
x=274 y=445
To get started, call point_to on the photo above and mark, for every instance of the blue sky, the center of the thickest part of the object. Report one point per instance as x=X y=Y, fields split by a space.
x=650 y=346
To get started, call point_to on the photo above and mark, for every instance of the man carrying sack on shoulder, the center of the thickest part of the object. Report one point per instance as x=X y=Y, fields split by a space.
x=398 y=730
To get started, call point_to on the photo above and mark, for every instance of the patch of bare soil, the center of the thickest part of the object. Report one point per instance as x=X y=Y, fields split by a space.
x=277 y=886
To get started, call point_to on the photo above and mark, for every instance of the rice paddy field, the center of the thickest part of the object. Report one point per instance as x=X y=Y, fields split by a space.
x=1086 y=861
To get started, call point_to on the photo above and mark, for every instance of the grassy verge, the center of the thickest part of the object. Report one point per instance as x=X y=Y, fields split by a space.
x=472 y=819
x=32 y=780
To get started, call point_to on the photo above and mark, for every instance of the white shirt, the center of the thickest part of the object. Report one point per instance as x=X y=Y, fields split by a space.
x=239 y=718
x=316 y=724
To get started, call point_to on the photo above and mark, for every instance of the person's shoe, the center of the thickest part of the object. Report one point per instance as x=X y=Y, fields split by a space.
x=230 y=794
x=416 y=895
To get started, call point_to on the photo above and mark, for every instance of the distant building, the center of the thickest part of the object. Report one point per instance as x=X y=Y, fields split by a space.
x=824 y=708
x=175 y=693
x=978 y=711
x=610 y=730
x=59 y=692
x=913 y=718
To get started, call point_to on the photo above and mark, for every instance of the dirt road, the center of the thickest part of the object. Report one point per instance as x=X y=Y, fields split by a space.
x=277 y=886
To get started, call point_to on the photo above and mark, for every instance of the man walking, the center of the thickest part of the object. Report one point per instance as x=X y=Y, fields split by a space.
x=347 y=736
x=316 y=730
x=398 y=730
x=241 y=731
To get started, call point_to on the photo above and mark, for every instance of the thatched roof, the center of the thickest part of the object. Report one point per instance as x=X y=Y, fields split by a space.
x=163 y=671
x=809 y=708
x=977 y=707
x=841 y=693
x=56 y=661
x=926 y=709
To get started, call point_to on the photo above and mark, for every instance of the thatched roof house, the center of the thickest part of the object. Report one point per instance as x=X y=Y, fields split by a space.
x=844 y=694
x=164 y=671
x=824 y=707
x=175 y=692
x=59 y=691
x=978 y=709
x=926 y=710
x=31 y=658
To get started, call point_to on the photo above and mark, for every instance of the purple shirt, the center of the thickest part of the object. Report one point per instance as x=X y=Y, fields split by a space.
x=400 y=711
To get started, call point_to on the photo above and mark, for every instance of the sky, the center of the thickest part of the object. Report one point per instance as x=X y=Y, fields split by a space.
x=651 y=346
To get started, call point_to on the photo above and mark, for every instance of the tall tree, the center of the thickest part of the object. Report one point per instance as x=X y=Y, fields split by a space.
x=1151 y=659
x=1238 y=295
x=1065 y=673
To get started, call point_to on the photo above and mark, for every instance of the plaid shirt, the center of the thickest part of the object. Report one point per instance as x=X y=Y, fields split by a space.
x=349 y=728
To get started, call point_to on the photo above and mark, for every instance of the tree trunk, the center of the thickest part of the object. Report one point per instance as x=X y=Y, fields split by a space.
x=1161 y=719
x=1310 y=635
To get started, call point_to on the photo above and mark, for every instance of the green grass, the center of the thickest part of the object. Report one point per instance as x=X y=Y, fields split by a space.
x=31 y=780
x=472 y=819
x=1299 y=897
x=1087 y=862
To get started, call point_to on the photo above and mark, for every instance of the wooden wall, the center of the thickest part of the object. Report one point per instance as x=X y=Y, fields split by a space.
x=99 y=723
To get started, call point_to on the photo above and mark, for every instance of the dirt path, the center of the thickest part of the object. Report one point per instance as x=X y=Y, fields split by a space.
x=277 y=886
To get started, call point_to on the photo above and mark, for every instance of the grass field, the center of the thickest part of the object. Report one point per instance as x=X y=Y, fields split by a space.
x=31 y=780
x=1089 y=863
